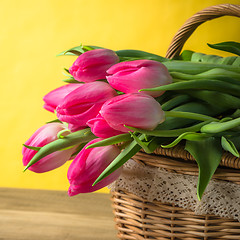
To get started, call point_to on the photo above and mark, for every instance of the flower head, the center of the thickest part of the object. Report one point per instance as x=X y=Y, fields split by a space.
x=44 y=135
x=132 y=109
x=92 y=65
x=88 y=165
x=131 y=76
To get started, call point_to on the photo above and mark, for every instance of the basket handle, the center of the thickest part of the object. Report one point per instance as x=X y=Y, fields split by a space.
x=197 y=19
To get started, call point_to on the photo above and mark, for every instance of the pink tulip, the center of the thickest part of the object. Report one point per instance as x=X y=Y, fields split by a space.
x=43 y=136
x=101 y=128
x=55 y=97
x=74 y=128
x=92 y=65
x=84 y=103
x=131 y=76
x=88 y=165
x=132 y=109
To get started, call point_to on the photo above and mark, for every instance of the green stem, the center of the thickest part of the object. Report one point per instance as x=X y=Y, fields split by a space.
x=194 y=107
x=189 y=115
x=195 y=68
x=220 y=127
x=216 y=99
x=222 y=79
x=214 y=85
x=111 y=140
x=61 y=134
x=170 y=133
x=175 y=101
x=214 y=73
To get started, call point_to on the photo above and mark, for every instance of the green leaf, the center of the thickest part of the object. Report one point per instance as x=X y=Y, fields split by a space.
x=91 y=47
x=111 y=141
x=205 y=58
x=66 y=71
x=55 y=120
x=142 y=144
x=229 y=146
x=236 y=114
x=231 y=60
x=77 y=51
x=72 y=139
x=155 y=142
x=208 y=155
x=32 y=148
x=130 y=150
x=192 y=136
x=70 y=80
x=232 y=47
x=186 y=55
x=137 y=54
x=225 y=119
x=236 y=141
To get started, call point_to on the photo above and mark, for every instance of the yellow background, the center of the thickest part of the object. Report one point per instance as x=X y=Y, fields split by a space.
x=32 y=33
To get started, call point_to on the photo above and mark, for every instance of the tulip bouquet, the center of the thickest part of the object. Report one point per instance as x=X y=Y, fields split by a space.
x=115 y=103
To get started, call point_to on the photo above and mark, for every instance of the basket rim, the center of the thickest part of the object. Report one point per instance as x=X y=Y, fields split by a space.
x=178 y=152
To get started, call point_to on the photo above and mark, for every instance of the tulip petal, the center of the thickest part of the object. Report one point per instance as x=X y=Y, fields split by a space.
x=34 y=145
x=87 y=166
x=92 y=65
x=131 y=76
x=72 y=139
x=101 y=128
x=133 y=109
x=55 y=97
x=84 y=103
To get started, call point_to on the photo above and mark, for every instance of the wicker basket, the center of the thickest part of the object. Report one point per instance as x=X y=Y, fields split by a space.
x=137 y=218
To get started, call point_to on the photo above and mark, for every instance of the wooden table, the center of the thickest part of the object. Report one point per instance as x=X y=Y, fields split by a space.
x=52 y=215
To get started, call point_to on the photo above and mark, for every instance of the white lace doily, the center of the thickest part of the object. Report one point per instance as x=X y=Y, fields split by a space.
x=221 y=198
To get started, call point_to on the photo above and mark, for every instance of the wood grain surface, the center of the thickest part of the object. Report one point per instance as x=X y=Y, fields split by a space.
x=52 y=215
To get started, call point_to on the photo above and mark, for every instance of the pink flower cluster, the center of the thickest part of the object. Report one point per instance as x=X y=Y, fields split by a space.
x=106 y=99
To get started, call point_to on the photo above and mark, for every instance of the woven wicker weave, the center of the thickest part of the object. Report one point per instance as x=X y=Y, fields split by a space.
x=138 y=219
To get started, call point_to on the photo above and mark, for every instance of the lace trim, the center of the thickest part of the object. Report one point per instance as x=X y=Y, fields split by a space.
x=221 y=198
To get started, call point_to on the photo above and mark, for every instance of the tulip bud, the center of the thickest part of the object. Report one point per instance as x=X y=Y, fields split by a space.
x=55 y=97
x=44 y=135
x=101 y=128
x=88 y=165
x=92 y=65
x=84 y=103
x=132 y=109
x=131 y=76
